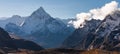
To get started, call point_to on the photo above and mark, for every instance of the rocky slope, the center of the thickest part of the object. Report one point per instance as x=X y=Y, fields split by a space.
x=78 y=35
x=8 y=44
x=105 y=35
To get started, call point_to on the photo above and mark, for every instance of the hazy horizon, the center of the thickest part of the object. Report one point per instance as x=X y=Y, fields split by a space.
x=56 y=8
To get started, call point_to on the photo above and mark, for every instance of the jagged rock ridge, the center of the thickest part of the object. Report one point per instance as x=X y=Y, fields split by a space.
x=103 y=36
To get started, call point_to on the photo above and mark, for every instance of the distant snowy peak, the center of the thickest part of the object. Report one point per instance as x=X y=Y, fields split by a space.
x=16 y=16
x=41 y=20
x=16 y=19
x=40 y=13
x=41 y=28
x=37 y=20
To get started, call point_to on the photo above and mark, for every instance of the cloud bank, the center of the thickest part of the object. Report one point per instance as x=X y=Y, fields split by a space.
x=98 y=14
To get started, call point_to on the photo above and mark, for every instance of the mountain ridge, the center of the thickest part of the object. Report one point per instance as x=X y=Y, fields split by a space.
x=41 y=28
x=100 y=36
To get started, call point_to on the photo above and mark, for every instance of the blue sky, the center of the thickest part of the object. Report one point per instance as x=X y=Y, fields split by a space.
x=56 y=8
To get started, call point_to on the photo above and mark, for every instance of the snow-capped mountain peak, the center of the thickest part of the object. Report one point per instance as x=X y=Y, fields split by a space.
x=41 y=9
x=36 y=20
x=41 y=28
x=40 y=13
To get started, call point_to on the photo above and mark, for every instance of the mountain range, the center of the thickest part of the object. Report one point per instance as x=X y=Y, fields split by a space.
x=97 y=34
x=39 y=27
x=40 y=31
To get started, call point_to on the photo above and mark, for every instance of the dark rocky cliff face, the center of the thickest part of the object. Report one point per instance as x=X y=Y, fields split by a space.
x=4 y=36
x=105 y=35
x=79 y=34
x=6 y=42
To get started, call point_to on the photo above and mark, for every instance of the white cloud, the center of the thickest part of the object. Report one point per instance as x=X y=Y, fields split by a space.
x=101 y=13
x=81 y=19
x=98 y=14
